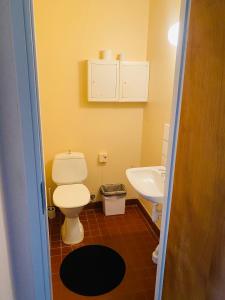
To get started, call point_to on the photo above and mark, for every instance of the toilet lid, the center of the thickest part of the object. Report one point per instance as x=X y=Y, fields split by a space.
x=71 y=195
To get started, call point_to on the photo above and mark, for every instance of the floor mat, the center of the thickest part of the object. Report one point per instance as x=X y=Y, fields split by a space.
x=92 y=270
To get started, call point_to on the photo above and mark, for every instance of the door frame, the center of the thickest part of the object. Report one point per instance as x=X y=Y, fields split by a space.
x=173 y=138
x=26 y=224
x=22 y=11
x=38 y=149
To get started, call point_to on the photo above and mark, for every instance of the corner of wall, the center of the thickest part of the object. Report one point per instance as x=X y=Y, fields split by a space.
x=162 y=57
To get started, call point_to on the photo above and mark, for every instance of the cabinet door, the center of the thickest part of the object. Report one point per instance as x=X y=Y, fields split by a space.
x=103 y=82
x=134 y=81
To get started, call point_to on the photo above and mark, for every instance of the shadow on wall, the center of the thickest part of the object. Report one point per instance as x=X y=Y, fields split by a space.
x=49 y=183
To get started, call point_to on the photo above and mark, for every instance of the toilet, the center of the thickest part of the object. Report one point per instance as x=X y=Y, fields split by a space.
x=69 y=170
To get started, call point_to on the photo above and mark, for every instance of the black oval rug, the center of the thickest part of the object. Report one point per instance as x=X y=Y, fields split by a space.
x=92 y=270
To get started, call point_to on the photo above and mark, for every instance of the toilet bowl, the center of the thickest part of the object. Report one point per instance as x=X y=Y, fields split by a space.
x=68 y=171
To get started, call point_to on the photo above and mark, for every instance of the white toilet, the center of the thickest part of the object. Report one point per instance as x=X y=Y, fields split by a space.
x=69 y=170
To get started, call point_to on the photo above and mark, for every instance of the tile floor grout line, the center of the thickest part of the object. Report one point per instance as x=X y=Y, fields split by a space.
x=129 y=235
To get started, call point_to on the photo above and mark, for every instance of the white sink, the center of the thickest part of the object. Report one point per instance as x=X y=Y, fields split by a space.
x=148 y=182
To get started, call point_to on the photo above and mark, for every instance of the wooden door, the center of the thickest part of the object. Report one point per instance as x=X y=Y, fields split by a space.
x=195 y=262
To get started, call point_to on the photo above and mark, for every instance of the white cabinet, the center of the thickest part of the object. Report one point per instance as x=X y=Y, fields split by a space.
x=114 y=81
x=103 y=80
x=134 y=79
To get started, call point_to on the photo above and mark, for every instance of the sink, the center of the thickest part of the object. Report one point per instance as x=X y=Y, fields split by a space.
x=148 y=182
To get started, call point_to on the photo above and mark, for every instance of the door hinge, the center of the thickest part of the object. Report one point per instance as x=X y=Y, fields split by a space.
x=43 y=201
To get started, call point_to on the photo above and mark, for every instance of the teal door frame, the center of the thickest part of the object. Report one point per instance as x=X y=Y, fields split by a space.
x=172 y=147
x=21 y=154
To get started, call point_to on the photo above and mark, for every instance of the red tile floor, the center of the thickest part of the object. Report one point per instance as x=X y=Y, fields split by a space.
x=130 y=235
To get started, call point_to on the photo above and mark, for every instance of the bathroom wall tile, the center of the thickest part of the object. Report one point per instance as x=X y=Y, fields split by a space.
x=163 y=160
x=164 y=148
x=166 y=132
x=165 y=144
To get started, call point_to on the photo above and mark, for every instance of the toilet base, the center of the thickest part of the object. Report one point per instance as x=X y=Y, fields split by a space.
x=72 y=231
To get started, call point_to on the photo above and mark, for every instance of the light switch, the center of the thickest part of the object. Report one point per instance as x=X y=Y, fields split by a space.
x=103 y=157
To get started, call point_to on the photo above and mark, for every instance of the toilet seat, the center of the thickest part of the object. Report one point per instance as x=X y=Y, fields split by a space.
x=71 y=195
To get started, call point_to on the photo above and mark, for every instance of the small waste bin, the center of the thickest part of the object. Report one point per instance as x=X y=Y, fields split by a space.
x=113 y=197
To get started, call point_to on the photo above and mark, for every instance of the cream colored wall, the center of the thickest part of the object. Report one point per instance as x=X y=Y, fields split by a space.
x=68 y=33
x=162 y=55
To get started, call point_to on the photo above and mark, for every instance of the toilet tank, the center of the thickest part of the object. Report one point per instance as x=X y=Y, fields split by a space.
x=69 y=168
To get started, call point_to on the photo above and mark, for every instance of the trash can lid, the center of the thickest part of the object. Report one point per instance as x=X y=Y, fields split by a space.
x=113 y=189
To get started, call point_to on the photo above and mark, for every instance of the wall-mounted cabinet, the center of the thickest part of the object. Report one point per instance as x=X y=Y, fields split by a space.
x=103 y=80
x=118 y=81
x=134 y=81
